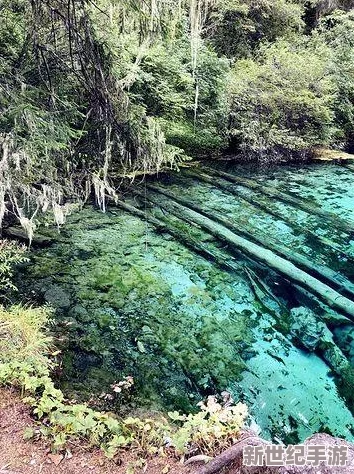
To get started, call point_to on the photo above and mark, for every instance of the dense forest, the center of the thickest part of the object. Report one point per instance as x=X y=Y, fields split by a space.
x=94 y=91
x=214 y=297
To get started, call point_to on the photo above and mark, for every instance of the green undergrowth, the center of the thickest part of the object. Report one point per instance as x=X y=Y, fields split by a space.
x=27 y=360
x=10 y=254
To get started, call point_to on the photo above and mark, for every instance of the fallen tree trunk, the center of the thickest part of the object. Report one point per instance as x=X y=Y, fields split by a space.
x=38 y=240
x=219 y=257
x=224 y=261
x=266 y=256
x=322 y=272
x=308 y=207
x=255 y=202
x=232 y=455
x=188 y=240
x=231 y=460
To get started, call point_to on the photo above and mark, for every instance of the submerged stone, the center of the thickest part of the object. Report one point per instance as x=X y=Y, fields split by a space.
x=134 y=302
x=290 y=393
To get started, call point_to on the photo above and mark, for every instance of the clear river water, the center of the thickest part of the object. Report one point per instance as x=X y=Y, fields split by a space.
x=156 y=295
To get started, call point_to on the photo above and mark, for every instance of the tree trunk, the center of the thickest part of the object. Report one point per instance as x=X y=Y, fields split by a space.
x=192 y=243
x=338 y=223
x=254 y=201
x=322 y=272
x=265 y=256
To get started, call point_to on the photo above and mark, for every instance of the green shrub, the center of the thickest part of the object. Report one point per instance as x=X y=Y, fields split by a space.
x=10 y=254
x=21 y=335
x=281 y=103
x=239 y=26
x=337 y=31
x=191 y=119
x=194 y=141
x=213 y=427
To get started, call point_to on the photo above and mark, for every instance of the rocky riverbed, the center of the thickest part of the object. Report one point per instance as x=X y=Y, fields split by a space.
x=131 y=299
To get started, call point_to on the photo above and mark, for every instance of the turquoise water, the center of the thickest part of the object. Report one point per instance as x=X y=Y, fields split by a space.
x=134 y=301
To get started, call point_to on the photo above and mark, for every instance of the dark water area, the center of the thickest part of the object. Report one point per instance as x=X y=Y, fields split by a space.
x=134 y=299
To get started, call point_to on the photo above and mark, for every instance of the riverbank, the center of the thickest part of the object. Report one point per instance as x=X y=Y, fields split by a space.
x=21 y=456
x=18 y=456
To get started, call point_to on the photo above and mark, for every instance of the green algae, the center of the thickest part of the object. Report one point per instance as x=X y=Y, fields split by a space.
x=130 y=301
x=117 y=278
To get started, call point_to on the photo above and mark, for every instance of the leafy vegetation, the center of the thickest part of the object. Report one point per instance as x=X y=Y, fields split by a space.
x=337 y=30
x=10 y=254
x=118 y=316
x=91 y=92
x=290 y=84
x=21 y=336
x=94 y=92
x=282 y=103
x=248 y=23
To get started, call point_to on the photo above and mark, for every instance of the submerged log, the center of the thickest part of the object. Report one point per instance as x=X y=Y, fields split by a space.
x=322 y=272
x=255 y=202
x=265 y=296
x=224 y=261
x=265 y=256
x=214 y=254
x=337 y=222
x=38 y=240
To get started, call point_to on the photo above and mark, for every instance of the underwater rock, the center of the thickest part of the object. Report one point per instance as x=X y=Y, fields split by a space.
x=306 y=328
x=285 y=401
x=314 y=335
x=201 y=326
x=79 y=312
x=57 y=297
x=344 y=338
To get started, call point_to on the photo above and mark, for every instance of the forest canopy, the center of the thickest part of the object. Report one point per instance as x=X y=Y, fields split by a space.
x=93 y=91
